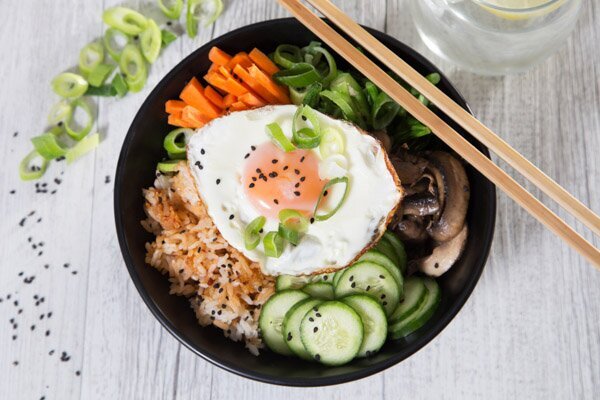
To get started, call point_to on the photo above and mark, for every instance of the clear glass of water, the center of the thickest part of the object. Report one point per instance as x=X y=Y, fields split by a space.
x=495 y=37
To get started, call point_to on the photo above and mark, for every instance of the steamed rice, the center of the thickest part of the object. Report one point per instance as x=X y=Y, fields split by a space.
x=225 y=289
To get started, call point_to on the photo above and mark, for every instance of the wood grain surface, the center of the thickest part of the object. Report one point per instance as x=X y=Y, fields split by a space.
x=530 y=330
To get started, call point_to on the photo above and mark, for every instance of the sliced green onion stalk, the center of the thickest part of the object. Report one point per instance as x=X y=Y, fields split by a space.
x=384 y=110
x=47 y=146
x=133 y=66
x=434 y=78
x=177 y=156
x=114 y=42
x=205 y=11
x=82 y=147
x=125 y=20
x=29 y=172
x=104 y=91
x=167 y=37
x=287 y=55
x=69 y=85
x=341 y=180
x=171 y=8
x=372 y=91
x=167 y=166
x=342 y=102
x=60 y=112
x=151 y=41
x=252 y=232
x=331 y=65
x=120 y=86
x=308 y=96
x=332 y=142
x=90 y=56
x=345 y=84
x=99 y=74
x=299 y=76
x=276 y=134
x=71 y=130
x=306 y=137
x=273 y=244
x=176 y=141
x=292 y=225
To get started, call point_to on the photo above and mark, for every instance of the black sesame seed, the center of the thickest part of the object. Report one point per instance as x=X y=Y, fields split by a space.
x=325 y=193
x=317 y=357
x=252 y=148
x=315 y=329
x=302 y=159
x=302 y=179
x=202 y=151
x=297 y=172
x=285 y=168
x=312 y=220
x=32 y=327
x=351 y=278
x=199 y=165
x=275 y=201
x=47 y=333
x=297 y=193
x=231 y=217
x=218 y=181
x=368 y=288
x=254 y=179
x=251 y=185
x=21 y=273
x=273 y=174
x=384 y=303
x=311 y=319
x=247 y=155
x=381 y=276
x=289 y=336
x=13 y=191
x=353 y=285
x=382 y=296
x=297 y=185
x=14 y=337
x=318 y=315
x=46 y=266
x=78 y=373
x=274 y=161
x=258 y=171
x=219 y=312
x=436 y=265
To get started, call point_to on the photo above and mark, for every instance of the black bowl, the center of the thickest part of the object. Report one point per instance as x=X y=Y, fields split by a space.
x=143 y=148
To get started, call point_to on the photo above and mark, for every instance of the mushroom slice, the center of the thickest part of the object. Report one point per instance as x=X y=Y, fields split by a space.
x=453 y=196
x=420 y=204
x=443 y=256
x=411 y=230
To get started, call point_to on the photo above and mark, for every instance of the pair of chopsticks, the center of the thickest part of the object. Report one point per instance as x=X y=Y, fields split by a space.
x=442 y=130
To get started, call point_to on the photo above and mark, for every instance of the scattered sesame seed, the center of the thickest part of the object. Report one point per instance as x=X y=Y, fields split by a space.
x=285 y=168
x=312 y=220
x=231 y=217
x=275 y=201
x=107 y=179
x=251 y=185
x=325 y=193
x=253 y=148
x=315 y=329
x=297 y=185
x=302 y=179
x=302 y=159
x=218 y=181
x=274 y=161
x=64 y=357
x=297 y=172
x=297 y=193
x=317 y=357
x=202 y=151
x=199 y=165
x=353 y=285
x=381 y=276
x=273 y=174
x=311 y=319
x=78 y=373
x=13 y=191
x=247 y=155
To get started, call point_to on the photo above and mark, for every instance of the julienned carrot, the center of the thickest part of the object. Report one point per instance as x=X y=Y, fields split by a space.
x=228 y=85
x=194 y=117
x=225 y=72
x=268 y=83
x=177 y=121
x=244 y=75
x=252 y=100
x=218 y=56
x=215 y=98
x=263 y=61
x=213 y=68
x=193 y=95
x=229 y=99
x=239 y=106
x=239 y=59
x=173 y=106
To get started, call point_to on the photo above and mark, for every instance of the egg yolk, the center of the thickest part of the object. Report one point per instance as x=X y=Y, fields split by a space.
x=274 y=180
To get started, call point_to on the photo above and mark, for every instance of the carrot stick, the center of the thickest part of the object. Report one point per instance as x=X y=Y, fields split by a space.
x=268 y=83
x=228 y=85
x=225 y=72
x=244 y=75
x=252 y=100
x=240 y=58
x=215 y=98
x=173 y=106
x=177 y=121
x=194 y=117
x=239 y=106
x=263 y=61
x=229 y=99
x=218 y=56
x=193 y=95
x=213 y=68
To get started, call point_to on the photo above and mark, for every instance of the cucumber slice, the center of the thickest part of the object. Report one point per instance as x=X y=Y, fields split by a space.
x=291 y=326
x=371 y=279
x=398 y=246
x=374 y=322
x=320 y=290
x=379 y=258
x=415 y=293
x=284 y=282
x=271 y=319
x=386 y=248
x=418 y=318
x=332 y=333
x=337 y=276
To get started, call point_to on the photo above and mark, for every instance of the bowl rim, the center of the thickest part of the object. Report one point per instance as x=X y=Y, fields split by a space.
x=417 y=345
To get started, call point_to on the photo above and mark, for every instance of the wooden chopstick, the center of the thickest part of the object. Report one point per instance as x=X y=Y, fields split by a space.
x=471 y=124
x=459 y=144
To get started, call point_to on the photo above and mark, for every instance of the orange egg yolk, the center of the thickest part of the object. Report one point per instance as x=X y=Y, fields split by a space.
x=274 y=180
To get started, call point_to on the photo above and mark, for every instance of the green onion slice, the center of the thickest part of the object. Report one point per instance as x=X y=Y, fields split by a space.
x=331 y=65
x=60 y=112
x=252 y=233
x=29 y=172
x=274 y=244
x=176 y=141
x=292 y=225
x=172 y=9
x=372 y=91
x=71 y=131
x=300 y=75
x=308 y=96
x=278 y=137
x=120 y=86
x=69 y=85
x=332 y=142
x=342 y=102
x=167 y=166
x=287 y=55
x=167 y=37
x=91 y=56
x=83 y=147
x=306 y=137
x=99 y=74
x=384 y=111
x=104 y=91
x=343 y=180
x=132 y=64
x=290 y=235
x=125 y=20
x=177 y=156
x=151 y=41
x=206 y=11
x=114 y=42
x=47 y=146
x=434 y=78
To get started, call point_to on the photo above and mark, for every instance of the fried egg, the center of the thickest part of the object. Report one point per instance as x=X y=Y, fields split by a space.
x=241 y=174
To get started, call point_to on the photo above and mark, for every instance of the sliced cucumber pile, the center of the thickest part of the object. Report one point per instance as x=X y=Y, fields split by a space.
x=336 y=317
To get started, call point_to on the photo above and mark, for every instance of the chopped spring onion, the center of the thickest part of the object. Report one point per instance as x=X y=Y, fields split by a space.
x=287 y=55
x=114 y=41
x=273 y=243
x=167 y=166
x=372 y=91
x=47 y=146
x=29 y=172
x=177 y=156
x=167 y=37
x=206 y=11
x=292 y=225
x=104 y=91
x=308 y=96
x=99 y=74
x=90 y=56
x=176 y=141
x=434 y=78
x=342 y=102
x=384 y=110
x=299 y=76
x=172 y=9
x=278 y=137
x=344 y=180
x=151 y=41
x=82 y=147
x=60 y=112
x=331 y=65
x=120 y=86
x=252 y=232
x=191 y=22
x=125 y=19
x=306 y=138
x=71 y=131
x=132 y=64
x=345 y=84
x=332 y=142
x=69 y=85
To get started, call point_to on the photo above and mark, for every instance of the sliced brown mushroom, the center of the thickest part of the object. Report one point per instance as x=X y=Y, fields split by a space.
x=444 y=255
x=411 y=230
x=453 y=196
x=420 y=204
x=409 y=167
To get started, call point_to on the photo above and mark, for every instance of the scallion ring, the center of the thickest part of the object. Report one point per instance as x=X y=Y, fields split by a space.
x=176 y=141
x=384 y=110
x=29 y=172
x=342 y=102
x=292 y=225
x=206 y=11
x=90 y=56
x=276 y=134
x=99 y=74
x=171 y=10
x=332 y=142
x=125 y=19
x=372 y=92
x=71 y=130
x=83 y=147
x=308 y=96
x=167 y=166
x=273 y=244
x=114 y=42
x=167 y=37
x=331 y=65
x=132 y=64
x=47 y=146
x=306 y=137
x=60 y=112
x=252 y=232
x=300 y=75
x=120 y=86
x=69 y=85
x=151 y=41
x=287 y=55
x=343 y=180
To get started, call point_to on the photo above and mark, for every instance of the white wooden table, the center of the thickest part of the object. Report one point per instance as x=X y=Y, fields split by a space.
x=530 y=330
